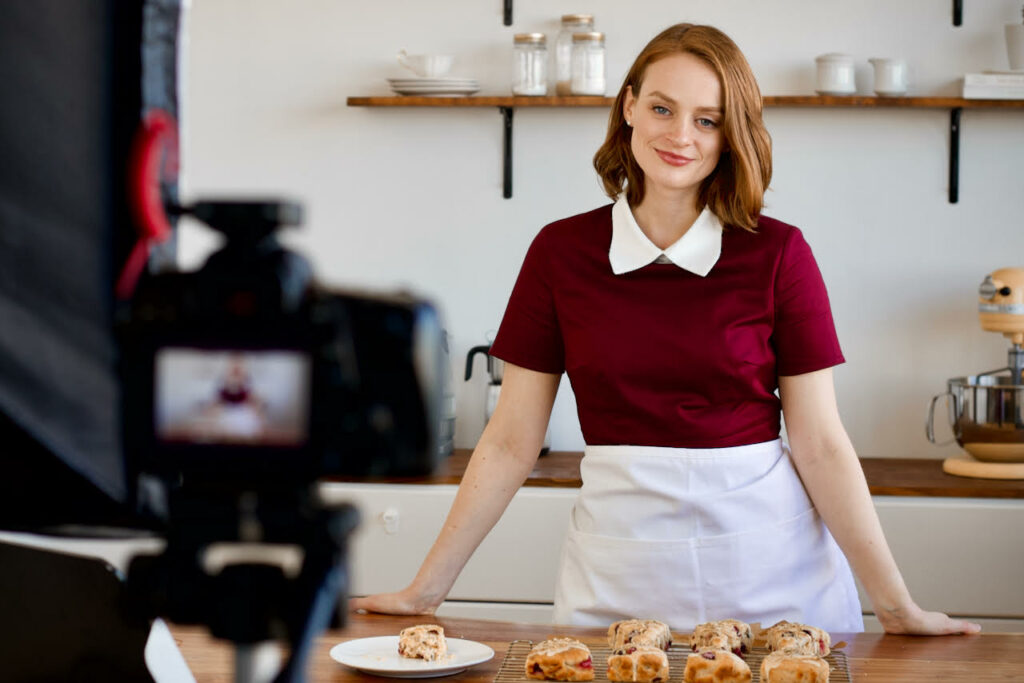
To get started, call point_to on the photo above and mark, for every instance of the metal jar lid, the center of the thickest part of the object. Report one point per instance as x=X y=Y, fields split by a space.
x=578 y=19
x=530 y=39
x=588 y=37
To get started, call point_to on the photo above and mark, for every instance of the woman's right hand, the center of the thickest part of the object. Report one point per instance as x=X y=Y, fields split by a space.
x=402 y=602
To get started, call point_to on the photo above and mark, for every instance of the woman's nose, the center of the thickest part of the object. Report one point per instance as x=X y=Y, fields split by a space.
x=682 y=131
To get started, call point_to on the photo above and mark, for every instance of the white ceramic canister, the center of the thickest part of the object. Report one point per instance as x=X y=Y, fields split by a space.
x=890 y=76
x=835 y=74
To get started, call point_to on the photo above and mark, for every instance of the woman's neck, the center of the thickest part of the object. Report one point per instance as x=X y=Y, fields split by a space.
x=665 y=219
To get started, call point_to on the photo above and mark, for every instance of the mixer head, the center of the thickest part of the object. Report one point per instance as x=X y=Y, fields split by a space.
x=1001 y=303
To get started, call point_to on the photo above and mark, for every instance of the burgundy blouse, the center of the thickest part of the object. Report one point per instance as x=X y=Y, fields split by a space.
x=660 y=356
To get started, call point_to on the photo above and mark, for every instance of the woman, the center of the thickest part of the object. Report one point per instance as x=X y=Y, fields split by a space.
x=677 y=312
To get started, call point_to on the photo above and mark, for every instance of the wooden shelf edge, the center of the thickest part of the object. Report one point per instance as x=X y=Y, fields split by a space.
x=853 y=101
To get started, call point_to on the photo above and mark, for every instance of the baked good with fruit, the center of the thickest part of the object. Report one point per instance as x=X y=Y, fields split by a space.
x=560 y=659
x=716 y=666
x=731 y=635
x=782 y=667
x=425 y=641
x=622 y=635
x=641 y=664
x=800 y=639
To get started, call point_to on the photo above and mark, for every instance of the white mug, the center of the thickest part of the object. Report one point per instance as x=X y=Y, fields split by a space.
x=890 y=76
x=835 y=74
x=426 y=66
x=1015 y=46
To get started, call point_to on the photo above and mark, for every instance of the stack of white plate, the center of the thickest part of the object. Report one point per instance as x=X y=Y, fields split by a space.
x=446 y=86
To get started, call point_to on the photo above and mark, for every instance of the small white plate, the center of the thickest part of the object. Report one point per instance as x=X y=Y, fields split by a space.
x=379 y=656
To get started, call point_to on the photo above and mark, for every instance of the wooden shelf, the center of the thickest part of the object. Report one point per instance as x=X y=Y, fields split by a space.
x=769 y=101
x=508 y=104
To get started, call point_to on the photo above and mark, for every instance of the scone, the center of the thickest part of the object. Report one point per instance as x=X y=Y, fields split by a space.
x=731 y=635
x=716 y=666
x=781 y=667
x=560 y=659
x=642 y=664
x=425 y=641
x=799 y=639
x=633 y=633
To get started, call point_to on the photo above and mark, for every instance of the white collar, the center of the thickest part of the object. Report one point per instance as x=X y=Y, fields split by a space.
x=696 y=251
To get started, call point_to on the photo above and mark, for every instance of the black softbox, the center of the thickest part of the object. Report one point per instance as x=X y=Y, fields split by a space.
x=79 y=77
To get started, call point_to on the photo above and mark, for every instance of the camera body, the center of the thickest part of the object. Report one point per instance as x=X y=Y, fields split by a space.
x=246 y=374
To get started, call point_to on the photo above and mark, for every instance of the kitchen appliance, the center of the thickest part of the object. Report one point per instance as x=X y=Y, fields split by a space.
x=986 y=411
x=495 y=372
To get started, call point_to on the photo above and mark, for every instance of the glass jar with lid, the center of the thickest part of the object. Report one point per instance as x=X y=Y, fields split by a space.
x=588 y=71
x=571 y=23
x=530 y=64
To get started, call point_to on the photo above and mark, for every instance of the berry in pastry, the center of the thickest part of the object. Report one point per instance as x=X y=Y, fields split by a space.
x=781 y=667
x=642 y=664
x=716 y=666
x=560 y=659
x=731 y=635
x=801 y=639
x=425 y=641
x=632 y=633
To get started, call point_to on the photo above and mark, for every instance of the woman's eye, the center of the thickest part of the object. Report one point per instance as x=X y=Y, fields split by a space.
x=707 y=123
x=658 y=109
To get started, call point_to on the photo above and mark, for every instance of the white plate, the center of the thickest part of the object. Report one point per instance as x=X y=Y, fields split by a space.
x=379 y=656
x=432 y=81
x=439 y=92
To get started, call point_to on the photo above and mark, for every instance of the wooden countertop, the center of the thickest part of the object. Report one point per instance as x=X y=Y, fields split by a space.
x=872 y=657
x=886 y=477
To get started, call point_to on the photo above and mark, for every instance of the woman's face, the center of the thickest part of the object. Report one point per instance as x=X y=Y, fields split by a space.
x=677 y=123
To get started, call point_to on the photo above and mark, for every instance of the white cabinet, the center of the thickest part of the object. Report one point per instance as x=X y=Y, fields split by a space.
x=962 y=556
x=516 y=563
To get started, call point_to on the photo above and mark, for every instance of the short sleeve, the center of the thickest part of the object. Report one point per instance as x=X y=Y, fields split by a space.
x=529 y=335
x=804 y=337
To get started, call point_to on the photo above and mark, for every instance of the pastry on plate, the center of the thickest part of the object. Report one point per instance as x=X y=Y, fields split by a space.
x=716 y=666
x=560 y=659
x=622 y=635
x=782 y=667
x=425 y=641
x=731 y=635
x=800 y=639
x=642 y=664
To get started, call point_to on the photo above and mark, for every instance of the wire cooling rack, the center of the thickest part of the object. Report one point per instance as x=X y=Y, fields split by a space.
x=513 y=667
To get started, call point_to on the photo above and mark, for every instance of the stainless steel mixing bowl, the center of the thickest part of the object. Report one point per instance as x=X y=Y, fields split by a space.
x=986 y=413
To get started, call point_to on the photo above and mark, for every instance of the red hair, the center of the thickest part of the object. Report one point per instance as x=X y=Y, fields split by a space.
x=735 y=189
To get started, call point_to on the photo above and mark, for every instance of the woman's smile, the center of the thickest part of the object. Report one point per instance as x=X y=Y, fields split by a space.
x=673 y=159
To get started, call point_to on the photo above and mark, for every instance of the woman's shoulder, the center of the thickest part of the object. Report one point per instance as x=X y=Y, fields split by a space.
x=580 y=226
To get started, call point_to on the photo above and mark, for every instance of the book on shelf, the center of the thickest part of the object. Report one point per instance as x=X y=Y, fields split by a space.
x=1003 y=78
x=994 y=85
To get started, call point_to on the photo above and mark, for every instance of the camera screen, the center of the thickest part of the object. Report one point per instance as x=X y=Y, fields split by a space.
x=231 y=397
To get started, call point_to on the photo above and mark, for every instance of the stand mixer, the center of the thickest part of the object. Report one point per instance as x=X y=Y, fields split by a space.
x=986 y=411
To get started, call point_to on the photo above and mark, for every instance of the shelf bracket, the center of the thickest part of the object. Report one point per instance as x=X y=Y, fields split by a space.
x=954 y=154
x=506 y=115
x=508 y=12
x=958 y=12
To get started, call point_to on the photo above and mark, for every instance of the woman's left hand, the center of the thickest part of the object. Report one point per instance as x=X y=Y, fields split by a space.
x=912 y=620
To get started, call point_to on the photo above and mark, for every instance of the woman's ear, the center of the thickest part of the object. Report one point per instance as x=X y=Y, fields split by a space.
x=628 y=105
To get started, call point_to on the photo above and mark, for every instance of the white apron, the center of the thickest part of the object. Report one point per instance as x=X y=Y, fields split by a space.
x=693 y=535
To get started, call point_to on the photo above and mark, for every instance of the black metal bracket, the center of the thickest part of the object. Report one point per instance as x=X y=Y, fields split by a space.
x=958 y=12
x=508 y=12
x=506 y=115
x=954 y=154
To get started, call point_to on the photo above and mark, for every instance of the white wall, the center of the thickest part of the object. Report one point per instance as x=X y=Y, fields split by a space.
x=412 y=197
